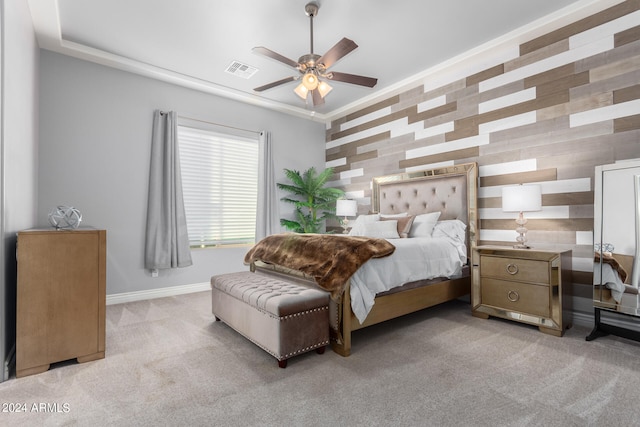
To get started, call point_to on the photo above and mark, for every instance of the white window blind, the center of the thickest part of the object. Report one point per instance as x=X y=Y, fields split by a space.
x=220 y=186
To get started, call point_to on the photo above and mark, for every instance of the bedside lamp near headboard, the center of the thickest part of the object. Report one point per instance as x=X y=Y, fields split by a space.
x=345 y=208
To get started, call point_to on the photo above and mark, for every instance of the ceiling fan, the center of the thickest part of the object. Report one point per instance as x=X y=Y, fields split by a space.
x=313 y=67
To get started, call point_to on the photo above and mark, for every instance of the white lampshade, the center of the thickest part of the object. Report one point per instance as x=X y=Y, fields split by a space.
x=301 y=91
x=346 y=207
x=310 y=81
x=324 y=88
x=521 y=198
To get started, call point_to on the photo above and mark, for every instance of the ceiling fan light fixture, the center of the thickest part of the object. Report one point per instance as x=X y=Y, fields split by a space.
x=301 y=91
x=310 y=81
x=312 y=67
x=324 y=88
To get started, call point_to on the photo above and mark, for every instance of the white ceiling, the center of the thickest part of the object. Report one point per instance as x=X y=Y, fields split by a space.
x=192 y=42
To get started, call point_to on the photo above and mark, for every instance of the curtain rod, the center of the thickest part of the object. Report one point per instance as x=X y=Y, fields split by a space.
x=215 y=124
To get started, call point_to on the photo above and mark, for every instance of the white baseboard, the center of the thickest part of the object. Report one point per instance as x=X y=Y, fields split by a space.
x=157 y=293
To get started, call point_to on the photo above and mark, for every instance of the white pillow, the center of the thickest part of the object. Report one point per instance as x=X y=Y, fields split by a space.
x=453 y=228
x=399 y=215
x=357 y=229
x=423 y=224
x=382 y=229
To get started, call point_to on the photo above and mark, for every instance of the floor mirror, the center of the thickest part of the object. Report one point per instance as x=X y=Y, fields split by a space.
x=616 y=270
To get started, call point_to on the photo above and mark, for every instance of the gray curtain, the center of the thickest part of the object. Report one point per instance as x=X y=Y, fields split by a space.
x=167 y=241
x=267 y=216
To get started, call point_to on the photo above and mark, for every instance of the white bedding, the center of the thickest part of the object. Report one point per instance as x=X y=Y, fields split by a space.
x=417 y=258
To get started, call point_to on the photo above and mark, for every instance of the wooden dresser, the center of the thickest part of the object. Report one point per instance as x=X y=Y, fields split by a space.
x=525 y=285
x=61 y=296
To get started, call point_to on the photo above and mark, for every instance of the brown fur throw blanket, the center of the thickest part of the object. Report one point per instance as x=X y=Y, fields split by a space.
x=330 y=258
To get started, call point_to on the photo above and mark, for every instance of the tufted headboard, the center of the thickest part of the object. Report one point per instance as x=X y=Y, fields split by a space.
x=452 y=190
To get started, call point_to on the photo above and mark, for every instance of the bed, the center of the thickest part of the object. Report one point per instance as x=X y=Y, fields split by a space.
x=451 y=191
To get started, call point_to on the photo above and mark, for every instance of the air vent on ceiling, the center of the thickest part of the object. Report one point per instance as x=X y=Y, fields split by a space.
x=241 y=70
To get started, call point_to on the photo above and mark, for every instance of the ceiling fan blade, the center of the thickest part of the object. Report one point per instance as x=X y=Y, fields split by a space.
x=353 y=79
x=274 y=84
x=274 y=55
x=317 y=98
x=340 y=49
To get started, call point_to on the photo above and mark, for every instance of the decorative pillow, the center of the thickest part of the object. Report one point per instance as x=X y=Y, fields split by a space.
x=357 y=229
x=404 y=224
x=423 y=224
x=453 y=228
x=382 y=229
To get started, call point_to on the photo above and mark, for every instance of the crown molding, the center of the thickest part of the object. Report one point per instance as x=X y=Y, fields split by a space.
x=46 y=18
x=570 y=14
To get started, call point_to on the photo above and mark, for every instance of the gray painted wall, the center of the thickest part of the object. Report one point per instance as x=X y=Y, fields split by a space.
x=18 y=143
x=95 y=136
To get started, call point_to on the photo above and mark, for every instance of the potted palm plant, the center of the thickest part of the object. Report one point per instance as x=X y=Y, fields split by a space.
x=314 y=203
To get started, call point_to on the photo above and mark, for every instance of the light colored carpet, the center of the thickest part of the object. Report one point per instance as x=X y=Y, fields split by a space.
x=169 y=363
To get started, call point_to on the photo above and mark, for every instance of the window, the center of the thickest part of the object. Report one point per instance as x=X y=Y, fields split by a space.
x=220 y=186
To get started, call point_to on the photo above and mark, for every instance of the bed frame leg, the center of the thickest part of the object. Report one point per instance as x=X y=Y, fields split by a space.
x=282 y=363
x=341 y=338
x=341 y=349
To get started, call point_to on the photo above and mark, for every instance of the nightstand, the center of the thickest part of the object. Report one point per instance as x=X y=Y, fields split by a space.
x=526 y=285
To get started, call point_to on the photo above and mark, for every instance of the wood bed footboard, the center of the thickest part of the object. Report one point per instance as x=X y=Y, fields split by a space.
x=389 y=307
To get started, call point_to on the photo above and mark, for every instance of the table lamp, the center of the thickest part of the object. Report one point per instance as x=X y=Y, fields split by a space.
x=521 y=199
x=345 y=208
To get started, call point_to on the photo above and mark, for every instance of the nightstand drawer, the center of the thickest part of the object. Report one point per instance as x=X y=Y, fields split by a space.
x=523 y=270
x=520 y=297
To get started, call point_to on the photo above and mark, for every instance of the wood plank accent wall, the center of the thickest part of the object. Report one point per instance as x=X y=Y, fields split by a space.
x=558 y=106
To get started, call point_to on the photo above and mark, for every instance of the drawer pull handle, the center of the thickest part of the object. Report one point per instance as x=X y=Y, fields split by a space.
x=512 y=269
x=513 y=296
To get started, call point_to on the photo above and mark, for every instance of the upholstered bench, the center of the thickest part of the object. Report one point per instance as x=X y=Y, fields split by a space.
x=282 y=317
